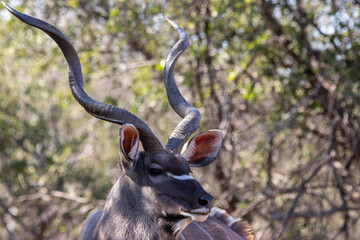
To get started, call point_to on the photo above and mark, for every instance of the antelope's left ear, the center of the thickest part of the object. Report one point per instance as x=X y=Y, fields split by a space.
x=129 y=144
x=203 y=148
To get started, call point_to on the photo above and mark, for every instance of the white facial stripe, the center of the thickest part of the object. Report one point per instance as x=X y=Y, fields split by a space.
x=181 y=177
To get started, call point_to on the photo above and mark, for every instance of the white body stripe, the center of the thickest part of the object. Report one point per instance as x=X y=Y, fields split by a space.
x=203 y=230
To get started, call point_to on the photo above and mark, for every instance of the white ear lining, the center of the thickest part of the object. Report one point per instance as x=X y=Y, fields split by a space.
x=133 y=151
x=189 y=150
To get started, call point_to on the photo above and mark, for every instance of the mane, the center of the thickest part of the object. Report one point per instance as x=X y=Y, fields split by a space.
x=236 y=225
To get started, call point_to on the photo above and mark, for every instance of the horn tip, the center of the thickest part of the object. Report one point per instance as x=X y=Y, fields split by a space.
x=182 y=33
x=172 y=23
x=10 y=9
x=5 y=5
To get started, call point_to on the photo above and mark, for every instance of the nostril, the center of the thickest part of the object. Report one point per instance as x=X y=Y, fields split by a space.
x=205 y=201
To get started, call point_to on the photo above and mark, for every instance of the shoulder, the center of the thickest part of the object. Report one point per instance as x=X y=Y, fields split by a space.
x=237 y=225
x=220 y=226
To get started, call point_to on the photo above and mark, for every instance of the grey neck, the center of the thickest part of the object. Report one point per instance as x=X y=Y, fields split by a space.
x=128 y=213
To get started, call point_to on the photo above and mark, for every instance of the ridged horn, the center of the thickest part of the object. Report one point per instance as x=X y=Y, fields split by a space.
x=191 y=116
x=97 y=109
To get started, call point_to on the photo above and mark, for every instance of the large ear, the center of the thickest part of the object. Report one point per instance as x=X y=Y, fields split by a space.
x=129 y=143
x=203 y=148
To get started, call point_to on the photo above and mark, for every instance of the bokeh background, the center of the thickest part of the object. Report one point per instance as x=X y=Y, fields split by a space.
x=279 y=77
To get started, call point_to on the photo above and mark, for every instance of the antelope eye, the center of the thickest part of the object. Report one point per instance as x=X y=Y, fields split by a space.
x=155 y=170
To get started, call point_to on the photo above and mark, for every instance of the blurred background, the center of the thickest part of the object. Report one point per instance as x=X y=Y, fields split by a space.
x=280 y=78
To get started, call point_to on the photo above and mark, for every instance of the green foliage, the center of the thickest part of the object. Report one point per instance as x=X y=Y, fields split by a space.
x=281 y=78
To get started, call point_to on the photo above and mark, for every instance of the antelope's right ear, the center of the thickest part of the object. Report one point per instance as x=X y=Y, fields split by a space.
x=129 y=143
x=203 y=148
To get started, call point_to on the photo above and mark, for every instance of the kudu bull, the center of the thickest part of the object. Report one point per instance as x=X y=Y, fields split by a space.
x=155 y=197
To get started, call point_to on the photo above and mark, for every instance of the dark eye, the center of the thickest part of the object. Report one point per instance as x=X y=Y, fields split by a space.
x=155 y=171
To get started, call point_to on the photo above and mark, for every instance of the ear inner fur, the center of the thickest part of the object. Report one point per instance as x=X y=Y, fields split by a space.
x=129 y=141
x=203 y=148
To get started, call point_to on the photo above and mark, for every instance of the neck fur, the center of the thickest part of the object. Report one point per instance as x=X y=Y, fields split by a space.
x=128 y=213
x=171 y=229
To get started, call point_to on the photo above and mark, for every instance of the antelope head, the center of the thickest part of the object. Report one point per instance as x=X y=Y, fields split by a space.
x=177 y=198
x=163 y=173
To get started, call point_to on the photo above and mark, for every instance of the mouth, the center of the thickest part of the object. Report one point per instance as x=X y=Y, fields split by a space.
x=198 y=215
